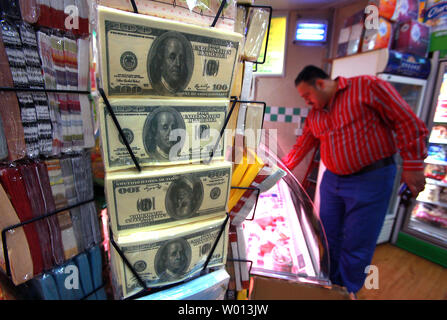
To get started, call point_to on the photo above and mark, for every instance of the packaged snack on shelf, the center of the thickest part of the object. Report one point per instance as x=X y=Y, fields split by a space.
x=430 y=193
x=435 y=171
x=202 y=64
x=200 y=12
x=161 y=198
x=412 y=37
x=150 y=125
x=377 y=39
x=437 y=152
x=258 y=23
x=168 y=256
x=439 y=132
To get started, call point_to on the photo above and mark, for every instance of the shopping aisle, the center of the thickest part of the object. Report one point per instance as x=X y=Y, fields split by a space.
x=405 y=276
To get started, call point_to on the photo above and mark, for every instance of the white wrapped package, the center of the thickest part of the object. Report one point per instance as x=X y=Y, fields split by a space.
x=256 y=30
x=211 y=286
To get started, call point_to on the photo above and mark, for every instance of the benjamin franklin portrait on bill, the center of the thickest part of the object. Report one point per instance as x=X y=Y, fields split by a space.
x=172 y=260
x=184 y=197
x=170 y=63
x=157 y=130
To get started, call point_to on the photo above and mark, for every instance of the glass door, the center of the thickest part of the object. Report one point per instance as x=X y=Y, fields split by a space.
x=428 y=218
x=411 y=89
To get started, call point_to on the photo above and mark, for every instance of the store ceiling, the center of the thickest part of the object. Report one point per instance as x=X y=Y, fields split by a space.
x=302 y=4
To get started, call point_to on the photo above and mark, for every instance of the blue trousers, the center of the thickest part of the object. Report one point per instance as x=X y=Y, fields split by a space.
x=352 y=211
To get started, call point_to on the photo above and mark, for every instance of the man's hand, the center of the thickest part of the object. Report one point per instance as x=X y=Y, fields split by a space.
x=415 y=181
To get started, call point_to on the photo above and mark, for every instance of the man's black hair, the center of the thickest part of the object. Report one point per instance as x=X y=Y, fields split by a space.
x=309 y=74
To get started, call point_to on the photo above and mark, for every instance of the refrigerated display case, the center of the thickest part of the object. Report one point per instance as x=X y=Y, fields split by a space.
x=421 y=227
x=285 y=238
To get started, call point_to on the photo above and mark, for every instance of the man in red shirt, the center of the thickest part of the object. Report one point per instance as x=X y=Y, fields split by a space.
x=359 y=123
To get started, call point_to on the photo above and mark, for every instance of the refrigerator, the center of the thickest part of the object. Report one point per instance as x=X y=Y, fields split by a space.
x=421 y=225
x=282 y=237
x=408 y=74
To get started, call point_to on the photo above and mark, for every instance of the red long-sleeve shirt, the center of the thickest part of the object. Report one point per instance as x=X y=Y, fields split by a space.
x=357 y=128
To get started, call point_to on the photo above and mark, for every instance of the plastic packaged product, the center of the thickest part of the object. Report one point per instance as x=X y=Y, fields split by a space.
x=388 y=9
x=436 y=15
x=162 y=198
x=3 y=143
x=46 y=56
x=197 y=12
x=85 y=275
x=66 y=225
x=14 y=186
x=211 y=286
x=38 y=209
x=205 y=69
x=343 y=40
x=355 y=38
x=149 y=252
x=46 y=287
x=258 y=23
x=241 y=22
x=143 y=124
x=10 y=111
x=83 y=68
x=30 y=10
x=19 y=252
x=95 y=260
x=378 y=39
x=434 y=171
x=87 y=121
x=412 y=37
x=64 y=277
x=407 y=10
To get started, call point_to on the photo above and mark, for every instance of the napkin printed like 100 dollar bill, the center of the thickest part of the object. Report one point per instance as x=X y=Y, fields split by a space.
x=155 y=199
x=146 y=56
x=171 y=257
x=162 y=132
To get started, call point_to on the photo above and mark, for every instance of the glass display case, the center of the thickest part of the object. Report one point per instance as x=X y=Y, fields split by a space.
x=285 y=238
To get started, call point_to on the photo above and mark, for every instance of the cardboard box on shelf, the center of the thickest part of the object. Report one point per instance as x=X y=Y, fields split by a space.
x=264 y=288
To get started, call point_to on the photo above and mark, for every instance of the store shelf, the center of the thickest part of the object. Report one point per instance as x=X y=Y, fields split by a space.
x=432 y=161
x=436 y=203
x=435 y=182
x=440 y=141
x=428 y=229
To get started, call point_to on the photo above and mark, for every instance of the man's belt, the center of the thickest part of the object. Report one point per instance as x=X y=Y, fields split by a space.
x=374 y=166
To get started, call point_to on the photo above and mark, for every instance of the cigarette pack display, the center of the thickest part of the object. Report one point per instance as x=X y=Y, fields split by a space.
x=412 y=37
